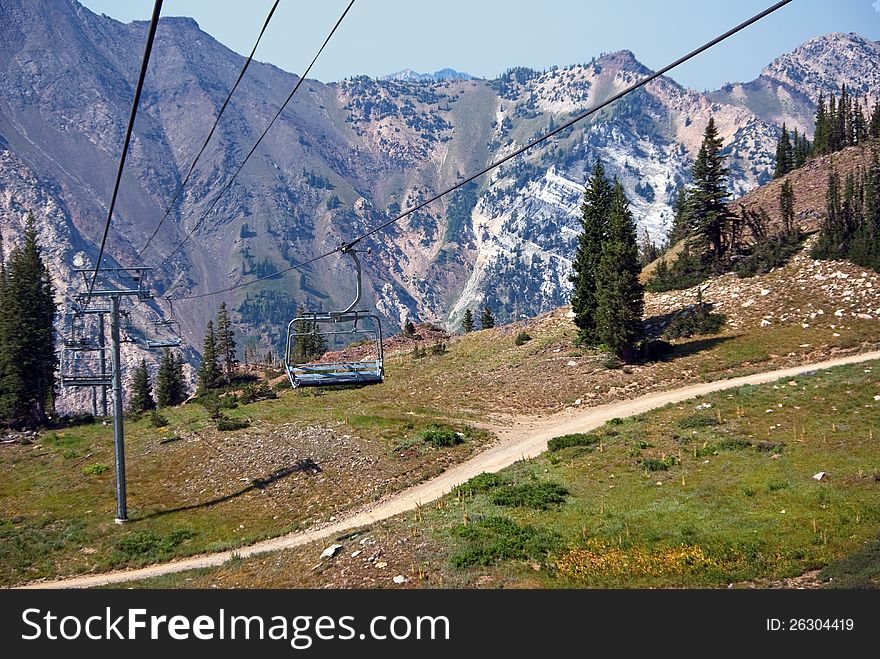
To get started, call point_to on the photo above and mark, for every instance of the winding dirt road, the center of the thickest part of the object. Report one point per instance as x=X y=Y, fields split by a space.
x=527 y=437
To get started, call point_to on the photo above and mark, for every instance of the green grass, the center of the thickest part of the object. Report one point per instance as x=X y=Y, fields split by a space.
x=57 y=499
x=747 y=509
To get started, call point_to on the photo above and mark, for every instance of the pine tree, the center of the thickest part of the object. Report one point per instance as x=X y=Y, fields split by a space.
x=594 y=217
x=309 y=343
x=844 y=119
x=170 y=383
x=28 y=365
x=487 y=320
x=209 y=374
x=226 y=344
x=832 y=236
x=786 y=210
x=784 y=154
x=859 y=125
x=874 y=129
x=141 y=399
x=619 y=294
x=679 y=229
x=835 y=128
x=802 y=149
x=648 y=251
x=467 y=323
x=822 y=136
x=708 y=198
x=870 y=229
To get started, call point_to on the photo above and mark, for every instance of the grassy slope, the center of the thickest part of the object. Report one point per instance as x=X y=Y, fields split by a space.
x=214 y=490
x=739 y=504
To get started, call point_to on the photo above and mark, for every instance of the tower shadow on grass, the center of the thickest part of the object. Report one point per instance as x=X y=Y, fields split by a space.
x=306 y=465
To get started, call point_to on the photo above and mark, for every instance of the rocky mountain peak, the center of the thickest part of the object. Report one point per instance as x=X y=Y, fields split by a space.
x=824 y=63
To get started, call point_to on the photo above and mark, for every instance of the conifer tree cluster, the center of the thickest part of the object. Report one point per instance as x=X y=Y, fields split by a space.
x=842 y=123
x=27 y=350
x=607 y=297
x=219 y=362
x=170 y=383
x=792 y=151
x=310 y=344
x=851 y=229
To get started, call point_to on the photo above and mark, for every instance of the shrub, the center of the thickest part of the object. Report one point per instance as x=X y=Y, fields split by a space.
x=697 y=421
x=211 y=403
x=95 y=469
x=500 y=538
x=150 y=545
x=576 y=439
x=611 y=361
x=522 y=338
x=768 y=254
x=254 y=392
x=480 y=483
x=695 y=320
x=437 y=349
x=540 y=496
x=225 y=424
x=441 y=436
x=659 y=464
x=157 y=420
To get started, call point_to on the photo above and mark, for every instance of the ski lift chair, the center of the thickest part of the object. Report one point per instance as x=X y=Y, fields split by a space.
x=162 y=325
x=350 y=325
x=85 y=367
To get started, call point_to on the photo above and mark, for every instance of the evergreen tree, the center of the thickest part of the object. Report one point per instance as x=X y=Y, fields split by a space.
x=487 y=320
x=467 y=323
x=141 y=399
x=679 y=229
x=594 y=217
x=409 y=329
x=859 y=125
x=832 y=237
x=785 y=158
x=835 y=126
x=309 y=343
x=226 y=344
x=866 y=247
x=821 y=137
x=648 y=251
x=27 y=367
x=802 y=149
x=786 y=210
x=209 y=374
x=708 y=198
x=619 y=294
x=874 y=128
x=170 y=383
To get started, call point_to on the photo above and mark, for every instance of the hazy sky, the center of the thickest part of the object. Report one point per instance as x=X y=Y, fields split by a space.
x=485 y=37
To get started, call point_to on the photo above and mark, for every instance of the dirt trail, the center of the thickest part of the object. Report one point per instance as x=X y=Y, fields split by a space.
x=525 y=437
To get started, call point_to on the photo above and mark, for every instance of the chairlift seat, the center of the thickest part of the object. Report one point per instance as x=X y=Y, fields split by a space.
x=162 y=343
x=335 y=373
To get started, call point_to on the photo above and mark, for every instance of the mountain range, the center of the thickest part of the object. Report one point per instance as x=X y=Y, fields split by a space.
x=346 y=156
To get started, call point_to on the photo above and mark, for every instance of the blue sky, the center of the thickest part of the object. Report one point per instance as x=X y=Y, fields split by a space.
x=485 y=37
